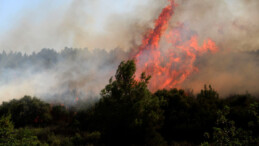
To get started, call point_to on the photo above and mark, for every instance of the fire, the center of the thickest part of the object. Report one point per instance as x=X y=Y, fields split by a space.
x=171 y=63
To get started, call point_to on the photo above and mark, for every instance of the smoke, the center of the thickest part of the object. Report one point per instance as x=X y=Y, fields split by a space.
x=79 y=24
x=232 y=24
x=67 y=74
x=228 y=73
x=62 y=77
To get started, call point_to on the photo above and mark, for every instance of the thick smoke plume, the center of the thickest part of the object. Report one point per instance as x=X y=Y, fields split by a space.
x=80 y=24
x=65 y=77
x=232 y=24
x=70 y=74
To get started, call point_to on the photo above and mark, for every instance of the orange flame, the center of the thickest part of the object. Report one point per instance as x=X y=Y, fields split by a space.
x=169 y=67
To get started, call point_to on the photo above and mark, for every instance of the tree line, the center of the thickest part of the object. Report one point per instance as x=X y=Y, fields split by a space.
x=129 y=114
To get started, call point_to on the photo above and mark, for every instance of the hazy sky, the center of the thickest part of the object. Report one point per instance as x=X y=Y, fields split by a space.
x=13 y=10
x=29 y=25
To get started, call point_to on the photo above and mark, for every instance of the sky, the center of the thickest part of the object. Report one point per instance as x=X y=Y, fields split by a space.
x=10 y=11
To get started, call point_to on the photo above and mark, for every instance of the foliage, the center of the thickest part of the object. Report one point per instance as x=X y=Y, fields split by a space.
x=128 y=111
x=27 y=111
x=25 y=137
x=6 y=131
x=226 y=133
x=11 y=136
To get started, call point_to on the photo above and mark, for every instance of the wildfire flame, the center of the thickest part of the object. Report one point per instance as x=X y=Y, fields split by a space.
x=169 y=66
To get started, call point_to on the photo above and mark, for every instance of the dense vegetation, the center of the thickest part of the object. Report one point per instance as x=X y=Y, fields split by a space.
x=129 y=114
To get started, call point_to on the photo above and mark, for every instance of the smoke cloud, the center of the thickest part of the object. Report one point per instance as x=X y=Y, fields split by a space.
x=67 y=74
x=63 y=77
x=228 y=73
x=80 y=24
x=232 y=24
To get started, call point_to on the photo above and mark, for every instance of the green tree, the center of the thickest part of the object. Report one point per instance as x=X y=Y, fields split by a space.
x=59 y=113
x=11 y=136
x=27 y=111
x=7 y=136
x=25 y=137
x=180 y=112
x=208 y=106
x=207 y=95
x=226 y=133
x=127 y=112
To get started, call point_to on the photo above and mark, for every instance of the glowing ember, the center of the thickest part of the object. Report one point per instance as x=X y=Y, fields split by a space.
x=171 y=64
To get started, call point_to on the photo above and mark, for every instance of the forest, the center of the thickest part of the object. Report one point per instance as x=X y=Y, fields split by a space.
x=128 y=113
